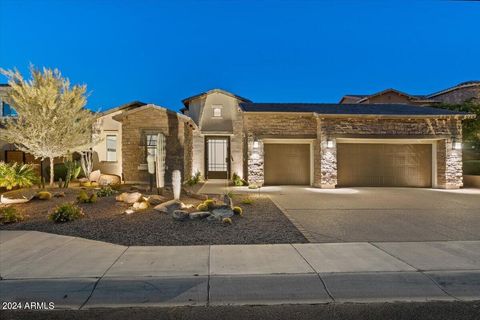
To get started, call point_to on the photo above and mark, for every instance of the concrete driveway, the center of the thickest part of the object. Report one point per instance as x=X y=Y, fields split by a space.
x=381 y=214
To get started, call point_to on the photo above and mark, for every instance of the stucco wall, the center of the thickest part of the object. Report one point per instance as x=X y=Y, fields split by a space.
x=109 y=127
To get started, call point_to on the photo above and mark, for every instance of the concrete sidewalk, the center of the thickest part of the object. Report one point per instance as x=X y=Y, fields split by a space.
x=77 y=273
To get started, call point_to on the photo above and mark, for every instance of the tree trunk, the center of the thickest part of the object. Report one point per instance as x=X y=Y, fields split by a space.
x=51 y=172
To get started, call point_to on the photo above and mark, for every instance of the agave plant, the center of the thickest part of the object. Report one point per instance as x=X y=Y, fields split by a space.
x=15 y=174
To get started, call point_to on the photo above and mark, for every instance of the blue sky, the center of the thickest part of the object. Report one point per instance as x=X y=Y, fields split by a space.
x=267 y=51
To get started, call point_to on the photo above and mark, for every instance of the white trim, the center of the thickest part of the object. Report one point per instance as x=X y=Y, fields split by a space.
x=296 y=141
x=432 y=142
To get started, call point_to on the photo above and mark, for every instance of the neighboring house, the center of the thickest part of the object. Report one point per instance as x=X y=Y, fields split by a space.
x=6 y=111
x=457 y=94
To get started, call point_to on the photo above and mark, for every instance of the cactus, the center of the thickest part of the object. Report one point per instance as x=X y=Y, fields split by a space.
x=60 y=183
x=177 y=184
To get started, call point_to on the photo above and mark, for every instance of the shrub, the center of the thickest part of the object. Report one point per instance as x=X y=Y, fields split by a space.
x=210 y=203
x=238 y=211
x=202 y=207
x=106 y=191
x=247 y=201
x=10 y=215
x=238 y=181
x=13 y=175
x=84 y=197
x=44 y=195
x=66 y=212
x=227 y=220
x=197 y=177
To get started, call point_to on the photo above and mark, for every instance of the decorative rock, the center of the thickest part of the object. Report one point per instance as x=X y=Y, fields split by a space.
x=129 y=197
x=108 y=179
x=121 y=197
x=17 y=196
x=228 y=201
x=142 y=205
x=129 y=211
x=169 y=206
x=59 y=194
x=180 y=215
x=187 y=206
x=155 y=200
x=199 y=215
x=220 y=213
x=95 y=176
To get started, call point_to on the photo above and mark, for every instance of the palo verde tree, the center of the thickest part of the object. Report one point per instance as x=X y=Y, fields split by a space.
x=52 y=120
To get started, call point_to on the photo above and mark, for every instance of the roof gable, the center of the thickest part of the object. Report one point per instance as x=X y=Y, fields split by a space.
x=187 y=100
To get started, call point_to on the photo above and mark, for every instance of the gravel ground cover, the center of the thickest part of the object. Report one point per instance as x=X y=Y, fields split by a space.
x=262 y=223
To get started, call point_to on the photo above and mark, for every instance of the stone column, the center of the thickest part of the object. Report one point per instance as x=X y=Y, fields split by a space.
x=328 y=157
x=236 y=145
x=255 y=162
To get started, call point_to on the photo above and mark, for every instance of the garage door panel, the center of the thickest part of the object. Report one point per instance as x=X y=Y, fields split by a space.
x=287 y=164
x=396 y=165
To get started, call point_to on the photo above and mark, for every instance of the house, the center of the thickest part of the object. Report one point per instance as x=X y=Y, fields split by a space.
x=460 y=93
x=218 y=134
x=325 y=145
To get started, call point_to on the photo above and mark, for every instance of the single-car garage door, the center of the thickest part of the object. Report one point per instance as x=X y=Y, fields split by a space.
x=384 y=165
x=287 y=164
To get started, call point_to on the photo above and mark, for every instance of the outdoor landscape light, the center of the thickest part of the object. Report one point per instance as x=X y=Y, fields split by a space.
x=329 y=143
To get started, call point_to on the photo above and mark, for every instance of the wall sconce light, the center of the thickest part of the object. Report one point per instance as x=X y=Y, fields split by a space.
x=255 y=143
x=457 y=145
x=329 y=143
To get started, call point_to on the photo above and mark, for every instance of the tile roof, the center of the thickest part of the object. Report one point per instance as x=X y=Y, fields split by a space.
x=351 y=109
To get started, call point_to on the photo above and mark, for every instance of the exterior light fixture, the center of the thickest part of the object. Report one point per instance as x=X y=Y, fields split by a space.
x=329 y=143
x=456 y=145
x=255 y=143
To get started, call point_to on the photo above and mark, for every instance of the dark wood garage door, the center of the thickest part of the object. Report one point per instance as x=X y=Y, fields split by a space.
x=287 y=164
x=384 y=165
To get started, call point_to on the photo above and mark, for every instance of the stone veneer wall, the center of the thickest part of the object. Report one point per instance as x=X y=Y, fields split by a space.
x=272 y=125
x=237 y=145
x=178 y=143
x=449 y=161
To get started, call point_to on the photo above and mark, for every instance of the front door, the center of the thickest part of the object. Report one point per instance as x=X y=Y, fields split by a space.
x=217 y=156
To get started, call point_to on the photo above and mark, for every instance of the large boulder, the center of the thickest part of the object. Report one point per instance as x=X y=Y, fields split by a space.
x=169 y=206
x=17 y=196
x=199 y=215
x=108 y=179
x=220 y=213
x=180 y=215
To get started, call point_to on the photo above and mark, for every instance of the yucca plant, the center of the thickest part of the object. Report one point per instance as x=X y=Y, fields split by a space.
x=13 y=175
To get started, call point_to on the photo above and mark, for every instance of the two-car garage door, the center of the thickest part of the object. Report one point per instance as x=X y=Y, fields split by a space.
x=384 y=165
x=358 y=164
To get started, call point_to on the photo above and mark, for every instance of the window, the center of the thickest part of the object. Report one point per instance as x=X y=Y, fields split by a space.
x=111 y=148
x=151 y=144
x=217 y=111
x=7 y=110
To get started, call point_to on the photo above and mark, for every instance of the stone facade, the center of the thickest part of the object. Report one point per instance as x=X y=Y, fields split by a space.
x=444 y=131
x=261 y=126
x=154 y=120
